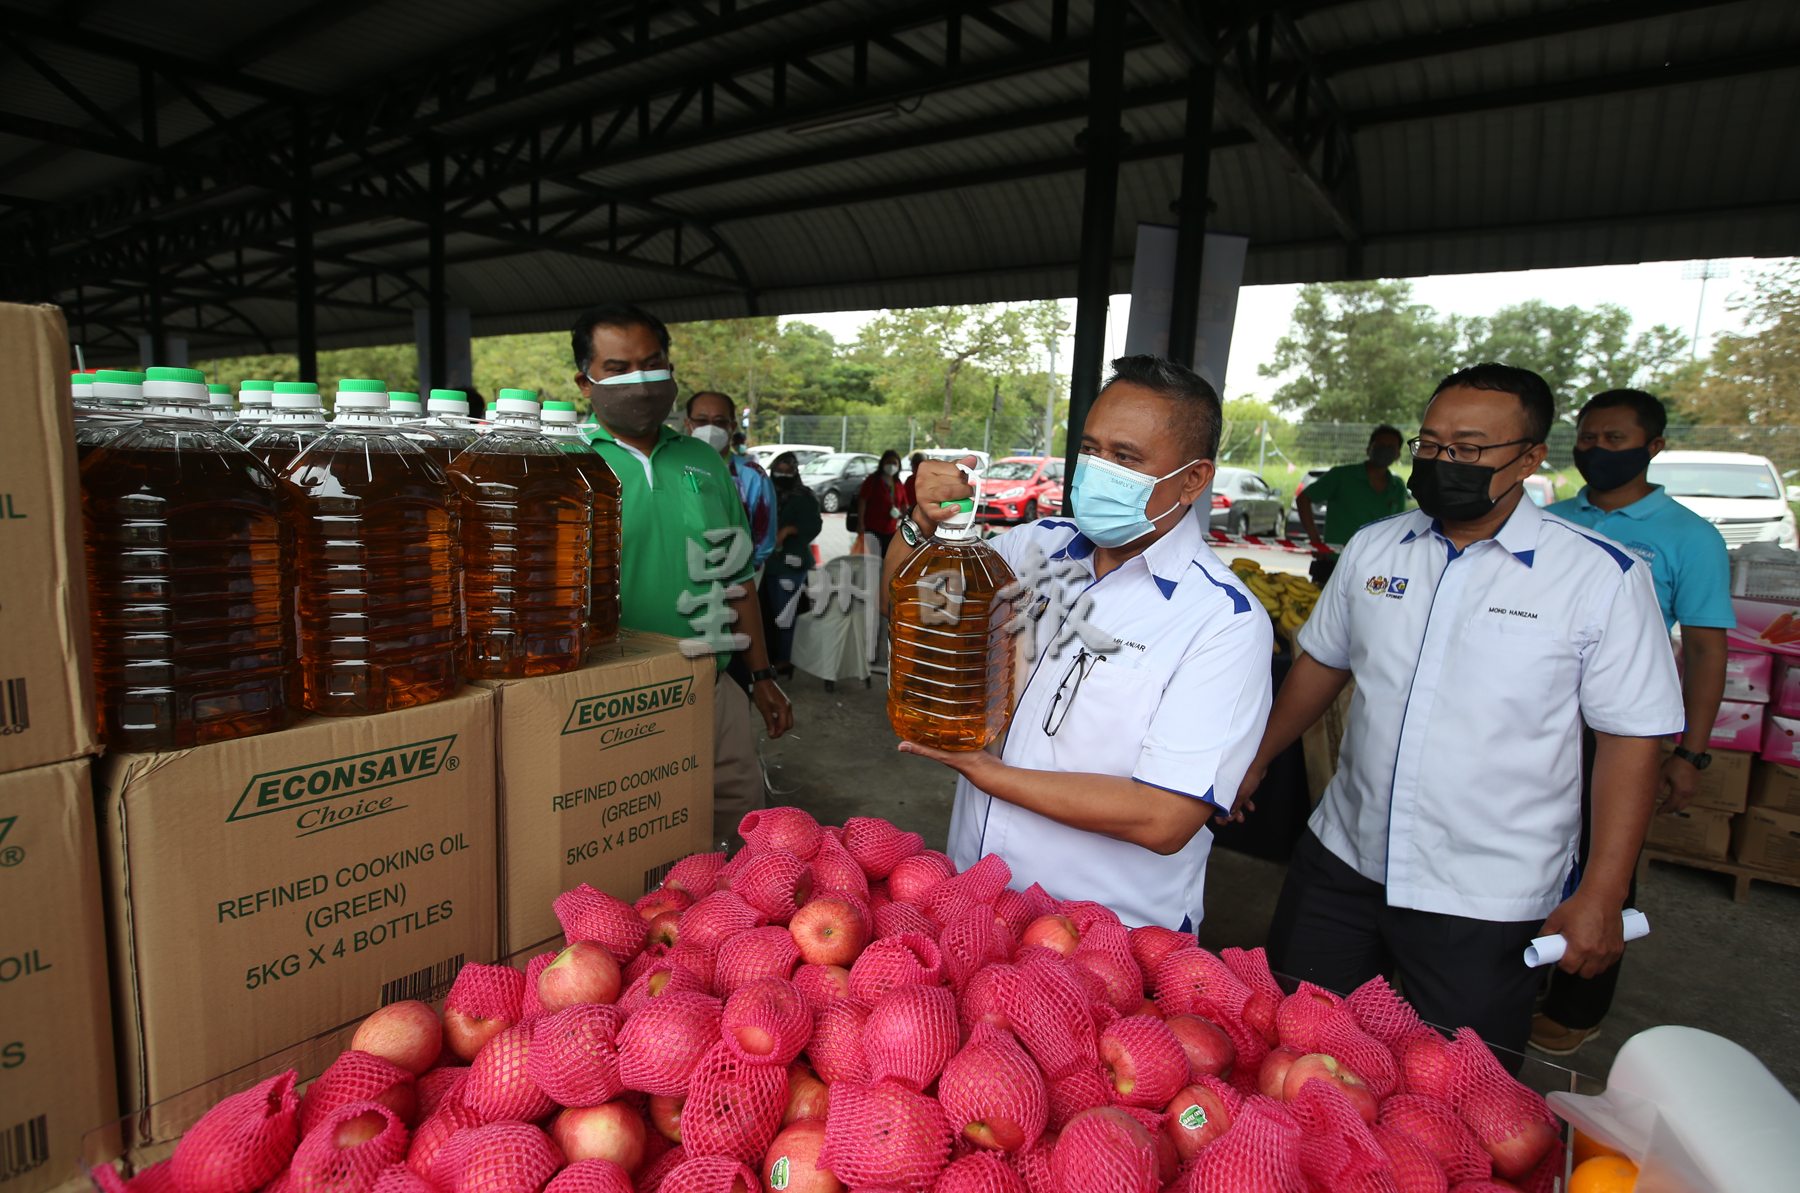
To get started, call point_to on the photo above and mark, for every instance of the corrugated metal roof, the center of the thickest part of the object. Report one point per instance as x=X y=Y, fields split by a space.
x=812 y=155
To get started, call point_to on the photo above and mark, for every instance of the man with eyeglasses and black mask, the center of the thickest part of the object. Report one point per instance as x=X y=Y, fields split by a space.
x=1481 y=632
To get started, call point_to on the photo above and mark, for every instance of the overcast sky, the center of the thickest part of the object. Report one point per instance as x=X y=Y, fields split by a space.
x=1653 y=293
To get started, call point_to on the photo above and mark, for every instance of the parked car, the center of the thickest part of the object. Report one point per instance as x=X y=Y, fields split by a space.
x=1293 y=514
x=1243 y=503
x=804 y=453
x=1012 y=489
x=1541 y=490
x=1739 y=493
x=835 y=477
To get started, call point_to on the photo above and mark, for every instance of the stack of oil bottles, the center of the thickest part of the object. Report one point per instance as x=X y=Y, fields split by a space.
x=250 y=560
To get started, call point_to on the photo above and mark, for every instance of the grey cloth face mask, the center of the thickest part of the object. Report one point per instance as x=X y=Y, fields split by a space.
x=634 y=403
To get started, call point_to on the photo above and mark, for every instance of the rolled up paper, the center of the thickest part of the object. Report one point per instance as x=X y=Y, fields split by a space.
x=1548 y=950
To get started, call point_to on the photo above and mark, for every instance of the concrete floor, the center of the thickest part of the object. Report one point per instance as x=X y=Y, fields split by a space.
x=1710 y=963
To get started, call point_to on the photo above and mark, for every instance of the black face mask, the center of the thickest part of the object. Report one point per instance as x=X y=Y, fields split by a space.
x=1454 y=492
x=1604 y=469
x=785 y=481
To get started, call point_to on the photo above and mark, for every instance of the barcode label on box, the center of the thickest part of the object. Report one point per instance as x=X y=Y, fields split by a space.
x=653 y=878
x=24 y=1146
x=425 y=985
x=16 y=710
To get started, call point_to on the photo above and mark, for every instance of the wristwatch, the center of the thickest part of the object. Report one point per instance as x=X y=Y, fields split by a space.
x=1699 y=761
x=911 y=531
x=757 y=677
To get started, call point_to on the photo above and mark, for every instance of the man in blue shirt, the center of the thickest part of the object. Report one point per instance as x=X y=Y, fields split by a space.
x=1616 y=436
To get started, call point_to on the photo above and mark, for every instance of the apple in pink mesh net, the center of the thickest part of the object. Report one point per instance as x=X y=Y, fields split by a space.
x=1415 y=1169
x=830 y=930
x=407 y=1033
x=358 y=1077
x=1198 y=1114
x=992 y=1093
x=500 y=1085
x=734 y=1107
x=898 y=919
x=242 y=1143
x=1033 y=1164
x=836 y=1045
x=976 y=937
x=709 y=1174
x=1056 y=932
x=398 y=1178
x=1081 y=1089
x=1209 y=1050
x=785 y=828
x=718 y=917
x=910 y=959
x=979 y=885
x=574 y=1055
x=611 y=1131
x=986 y=997
x=429 y=1139
x=1015 y=910
x=1510 y=1124
x=1050 y=1013
x=1302 y=1014
x=696 y=875
x=833 y=869
x=437 y=1086
x=588 y=914
x=980 y=1174
x=911 y=1031
x=820 y=984
x=913 y=880
x=1436 y=1126
x=697 y=958
x=591 y=1176
x=484 y=1001
x=792 y=1161
x=665 y=978
x=878 y=846
x=885 y=1134
x=756 y=953
x=766 y=1022
x=661 y=901
x=505 y=1157
x=1271 y=1077
x=1144 y=1061
x=1122 y=988
x=1260 y=1154
x=776 y=883
x=1106 y=1148
x=808 y=1097
x=661 y=1043
x=585 y=972
x=1426 y=1066
x=1150 y=944
x=651 y=1179
x=347 y=1149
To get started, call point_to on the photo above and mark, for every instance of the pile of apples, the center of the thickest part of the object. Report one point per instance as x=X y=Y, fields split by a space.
x=839 y=1009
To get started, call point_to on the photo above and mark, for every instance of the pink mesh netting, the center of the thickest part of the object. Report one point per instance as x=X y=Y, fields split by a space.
x=753 y=954
x=1383 y=1013
x=1042 y=902
x=980 y=1174
x=435 y=1087
x=428 y=1141
x=358 y=1077
x=776 y=883
x=1414 y=1168
x=833 y=869
x=650 y=1179
x=666 y=978
x=1426 y=1064
x=1067 y=1096
x=988 y=995
x=1033 y=1164
x=1547 y=1176
x=322 y=1162
x=500 y=1087
x=897 y=919
x=878 y=846
x=993 y=1082
x=529 y=1003
x=591 y=1176
x=727 y=876
x=1105 y=1148
x=734 y=1107
x=1115 y=980
x=1366 y=1056
x=696 y=875
x=705 y=1174
x=718 y=917
x=836 y=1044
x=766 y=1022
x=786 y=828
x=1014 y=909
x=1260 y=1154
x=398 y=1178
x=1050 y=1014
x=646 y=961
x=909 y=1034
x=820 y=984
x=1338 y=1152
x=663 y=898
x=1482 y=1187
x=1085 y=913
x=1302 y=1014
x=910 y=959
x=1150 y=944
x=1511 y=1121
x=976 y=938
x=1194 y=982
x=977 y=886
x=913 y=880
x=574 y=1055
x=1252 y=968
x=1147 y=1064
x=885 y=1134
x=660 y=1044
x=698 y=958
x=1435 y=1125
x=242 y=1143
x=501 y=1158
x=157 y=1178
x=588 y=914
x=487 y=992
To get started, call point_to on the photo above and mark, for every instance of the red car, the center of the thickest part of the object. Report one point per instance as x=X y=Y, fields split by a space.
x=1020 y=488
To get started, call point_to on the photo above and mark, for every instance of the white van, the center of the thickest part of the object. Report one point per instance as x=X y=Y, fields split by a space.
x=1739 y=493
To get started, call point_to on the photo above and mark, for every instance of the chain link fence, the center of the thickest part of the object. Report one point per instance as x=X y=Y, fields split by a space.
x=1005 y=434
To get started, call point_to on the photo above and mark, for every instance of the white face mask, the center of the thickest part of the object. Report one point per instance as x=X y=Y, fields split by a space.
x=714 y=437
x=891 y=469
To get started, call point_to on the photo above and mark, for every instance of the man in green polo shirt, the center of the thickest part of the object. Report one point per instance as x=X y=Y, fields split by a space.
x=675 y=490
x=1354 y=494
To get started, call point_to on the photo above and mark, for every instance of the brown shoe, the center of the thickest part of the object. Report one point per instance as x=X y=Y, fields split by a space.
x=1547 y=1035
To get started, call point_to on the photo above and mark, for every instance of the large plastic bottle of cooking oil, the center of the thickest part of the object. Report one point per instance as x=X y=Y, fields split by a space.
x=561 y=421
x=526 y=513
x=447 y=417
x=950 y=675
x=373 y=532
x=404 y=407
x=109 y=402
x=221 y=404
x=256 y=405
x=297 y=419
x=190 y=578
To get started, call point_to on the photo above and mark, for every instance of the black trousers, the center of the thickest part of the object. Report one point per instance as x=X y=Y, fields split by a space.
x=1334 y=928
x=1576 y=1001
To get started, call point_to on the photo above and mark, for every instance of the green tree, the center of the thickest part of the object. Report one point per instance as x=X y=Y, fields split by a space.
x=536 y=360
x=1752 y=377
x=1579 y=351
x=737 y=357
x=1361 y=352
x=948 y=356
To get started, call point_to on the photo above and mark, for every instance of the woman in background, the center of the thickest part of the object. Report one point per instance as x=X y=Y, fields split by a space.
x=797 y=524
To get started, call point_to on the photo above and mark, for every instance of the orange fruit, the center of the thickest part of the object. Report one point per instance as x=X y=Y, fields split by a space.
x=1587 y=1147
x=1604 y=1174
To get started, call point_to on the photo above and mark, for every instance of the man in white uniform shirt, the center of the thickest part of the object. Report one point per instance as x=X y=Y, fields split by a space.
x=1149 y=672
x=1481 y=632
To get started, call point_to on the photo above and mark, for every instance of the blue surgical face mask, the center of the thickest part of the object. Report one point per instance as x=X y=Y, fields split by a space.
x=1110 y=501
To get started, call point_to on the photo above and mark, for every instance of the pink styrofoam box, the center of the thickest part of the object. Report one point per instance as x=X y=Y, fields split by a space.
x=1748 y=675
x=1765 y=625
x=1739 y=726
x=1781 y=741
x=1785 y=688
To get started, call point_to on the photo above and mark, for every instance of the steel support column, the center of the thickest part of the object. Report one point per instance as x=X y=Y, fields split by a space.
x=159 y=336
x=1190 y=244
x=1099 y=204
x=306 y=336
x=437 y=355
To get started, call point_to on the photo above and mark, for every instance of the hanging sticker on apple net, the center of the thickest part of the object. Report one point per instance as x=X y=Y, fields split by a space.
x=1193 y=1118
x=778 y=1174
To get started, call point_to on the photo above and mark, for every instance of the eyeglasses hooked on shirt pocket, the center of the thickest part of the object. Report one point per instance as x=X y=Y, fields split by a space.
x=1068 y=689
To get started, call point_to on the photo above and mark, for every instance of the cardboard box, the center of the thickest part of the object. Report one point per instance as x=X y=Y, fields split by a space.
x=1702 y=832
x=1725 y=783
x=1785 y=685
x=46 y=685
x=56 y=1055
x=1739 y=726
x=263 y=890
x=1781 y=740
x=1748 y=676
x=1775 y=786
x=605 y=778
x=1767 y=839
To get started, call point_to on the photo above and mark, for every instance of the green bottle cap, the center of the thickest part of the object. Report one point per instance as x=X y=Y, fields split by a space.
x=361 y=385
x=454 y=395
x=559 y=405
x=400 y=395
x=296 y=387
x=519 y=395
x=264 y=385
x=118 y=377
x=190 y=376
x=219 y=389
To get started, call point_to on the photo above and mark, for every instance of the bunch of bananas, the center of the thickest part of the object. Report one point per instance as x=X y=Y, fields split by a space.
x=1289 y=599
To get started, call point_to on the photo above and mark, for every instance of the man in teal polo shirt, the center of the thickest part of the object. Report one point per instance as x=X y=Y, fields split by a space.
x=1354 y=494
x=675 y=490
x=1616 y=436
